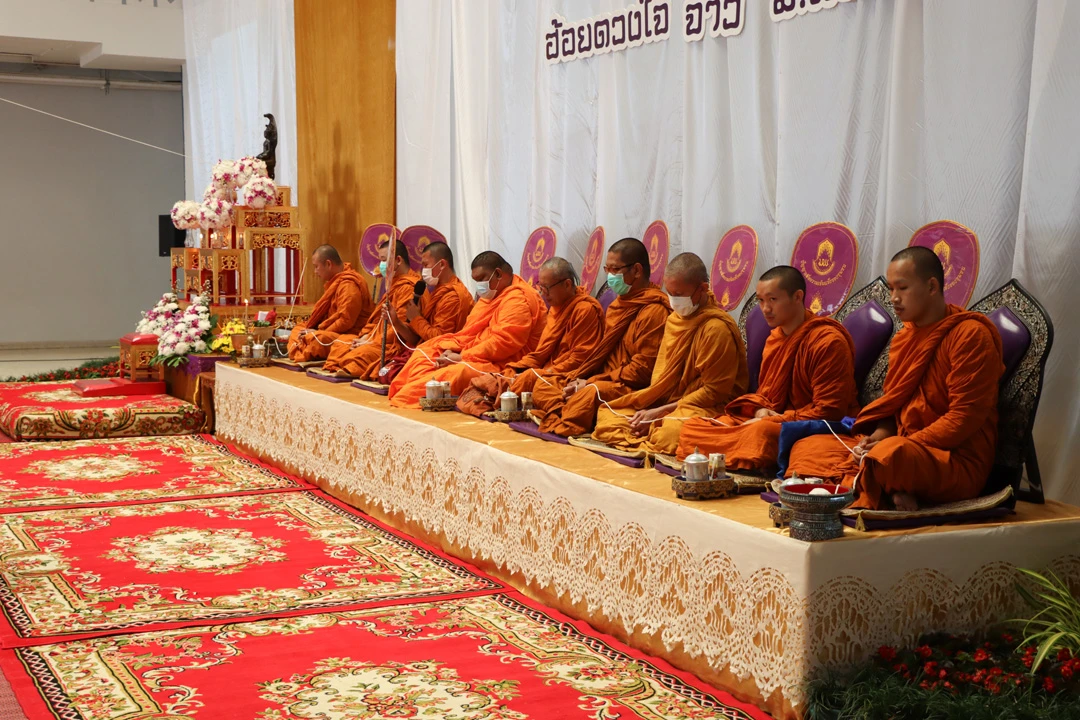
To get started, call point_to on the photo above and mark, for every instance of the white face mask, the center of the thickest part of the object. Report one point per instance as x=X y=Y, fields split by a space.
x=429 y=276
x=483 y=288
x=683 y=305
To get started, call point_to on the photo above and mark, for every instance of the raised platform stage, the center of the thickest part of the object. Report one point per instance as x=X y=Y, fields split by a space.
x=710 y=586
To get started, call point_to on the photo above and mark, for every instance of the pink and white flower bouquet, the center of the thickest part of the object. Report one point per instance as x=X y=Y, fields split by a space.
x=191 y=331
x=155 y=320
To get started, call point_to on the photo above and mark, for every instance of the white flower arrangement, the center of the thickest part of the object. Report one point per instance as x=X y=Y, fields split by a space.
x=190 y=331
x=224 y=175
x=213 y=192
x=215 y=214
x=185 y=215
x=247 y=169
x=258 y=193
x=158 y=318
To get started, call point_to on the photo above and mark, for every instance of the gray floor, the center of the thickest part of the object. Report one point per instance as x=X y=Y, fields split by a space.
x=16 y=363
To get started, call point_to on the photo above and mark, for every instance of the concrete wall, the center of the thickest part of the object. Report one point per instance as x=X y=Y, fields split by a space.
x=79 y=210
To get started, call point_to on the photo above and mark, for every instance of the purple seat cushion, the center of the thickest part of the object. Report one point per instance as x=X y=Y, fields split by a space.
x=328 y=378
x=378 y=391
x=757 y=332
x=1015 y=339
x=528 y=427
x=606 y=297
x=870 y=327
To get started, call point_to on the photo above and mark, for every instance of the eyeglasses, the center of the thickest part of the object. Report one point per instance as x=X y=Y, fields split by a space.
x=546 y=289
x=614 y=270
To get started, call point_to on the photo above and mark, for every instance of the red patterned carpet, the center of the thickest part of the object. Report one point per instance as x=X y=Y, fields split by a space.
x=172 y=577
x=54 y=411
x=81 y=473
x=480 y=658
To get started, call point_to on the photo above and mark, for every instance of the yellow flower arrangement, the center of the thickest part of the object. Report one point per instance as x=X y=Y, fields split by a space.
x=223 y=341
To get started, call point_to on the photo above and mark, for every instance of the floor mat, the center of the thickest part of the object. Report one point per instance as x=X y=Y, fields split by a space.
x=79 y=473
x=89 y=571
x=55 y=411
x=481 y=658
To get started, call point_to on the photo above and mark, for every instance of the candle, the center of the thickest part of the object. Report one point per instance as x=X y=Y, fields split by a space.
x=245 y=312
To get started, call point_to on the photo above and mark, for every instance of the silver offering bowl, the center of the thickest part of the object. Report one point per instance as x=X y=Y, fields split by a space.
x=816 y=516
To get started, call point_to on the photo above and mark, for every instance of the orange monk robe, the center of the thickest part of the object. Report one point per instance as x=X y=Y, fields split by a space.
x=808 y=375
x=497 y=333
x=942 y=391
x=571 y=334
x=701 y=367
x=622 y=363
x=365 y=361
x=443 y=310
x=343 y=308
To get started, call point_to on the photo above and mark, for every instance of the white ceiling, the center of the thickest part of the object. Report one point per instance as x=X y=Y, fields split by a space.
x=64 y=52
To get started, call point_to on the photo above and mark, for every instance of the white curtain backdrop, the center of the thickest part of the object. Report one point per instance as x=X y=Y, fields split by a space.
x=239 y=65
x=880 y=114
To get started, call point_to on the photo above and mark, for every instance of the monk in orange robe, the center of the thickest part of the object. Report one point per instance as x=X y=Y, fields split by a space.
x=342 y=309
x=623 y=361
x=504 y=326
x=700 y=368
x=574 y=327
x=444 y=307
x=362 y=356
x=930 y=438
x=807 y=373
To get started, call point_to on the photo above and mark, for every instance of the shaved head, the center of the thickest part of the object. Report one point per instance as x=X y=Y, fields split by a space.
x=787 y=278
x=927 y=264
x=326 y=252
x=688 y=268
x=440 y=251
x=560 y=269
x=399 y=250
x=632 y=251
x=490 y=261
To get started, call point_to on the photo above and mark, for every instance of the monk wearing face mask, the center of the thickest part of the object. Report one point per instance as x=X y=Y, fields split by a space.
x=930 y=438
x=623 y=361
x=700 y=368
x=807 y=373
x=504 y=326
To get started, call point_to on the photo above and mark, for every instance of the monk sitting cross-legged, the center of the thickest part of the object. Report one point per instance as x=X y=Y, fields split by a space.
x=361 y=356
x=574 y=327
x=445 y=305
x=807 y=373
x=623 y=361
x=504 y=326
x=930 y=438
x=343 y=307
x=700 y=368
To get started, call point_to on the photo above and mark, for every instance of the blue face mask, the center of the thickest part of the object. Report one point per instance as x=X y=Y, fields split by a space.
x=616 y=283
x=382 y=268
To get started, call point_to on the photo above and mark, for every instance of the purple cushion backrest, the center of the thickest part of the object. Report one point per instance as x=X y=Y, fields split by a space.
x=757 y=332
x=870 y=327
x=606 y=297
x=1015 y=339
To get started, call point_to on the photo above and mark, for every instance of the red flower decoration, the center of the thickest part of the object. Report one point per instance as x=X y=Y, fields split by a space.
x=930 y=668
x=887 y=653
x=1064 y=655
x=1048 y=684
x=924 y=651
x=981 y=655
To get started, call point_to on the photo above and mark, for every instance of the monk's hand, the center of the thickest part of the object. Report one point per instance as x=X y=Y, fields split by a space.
x=412 y=311
x=448 y=358
x=572 y=387
x=764 y=413
x=359 y=341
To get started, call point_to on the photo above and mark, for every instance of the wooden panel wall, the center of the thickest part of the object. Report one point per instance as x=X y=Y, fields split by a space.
x=345 y=116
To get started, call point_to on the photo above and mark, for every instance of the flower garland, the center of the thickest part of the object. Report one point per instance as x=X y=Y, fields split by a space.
x=191 y=331
x=160 y=316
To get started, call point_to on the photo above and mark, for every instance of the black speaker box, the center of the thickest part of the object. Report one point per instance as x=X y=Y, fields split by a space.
x=168 y=236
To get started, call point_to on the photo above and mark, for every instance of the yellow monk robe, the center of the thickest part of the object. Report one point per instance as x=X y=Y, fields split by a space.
x=942 y=391
x=342 y=309
x=364 y=362
x=622 y=363
x=443 y=310
x=701 y=367
x=497 y=333
x=809 y=375
x=571 y=333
